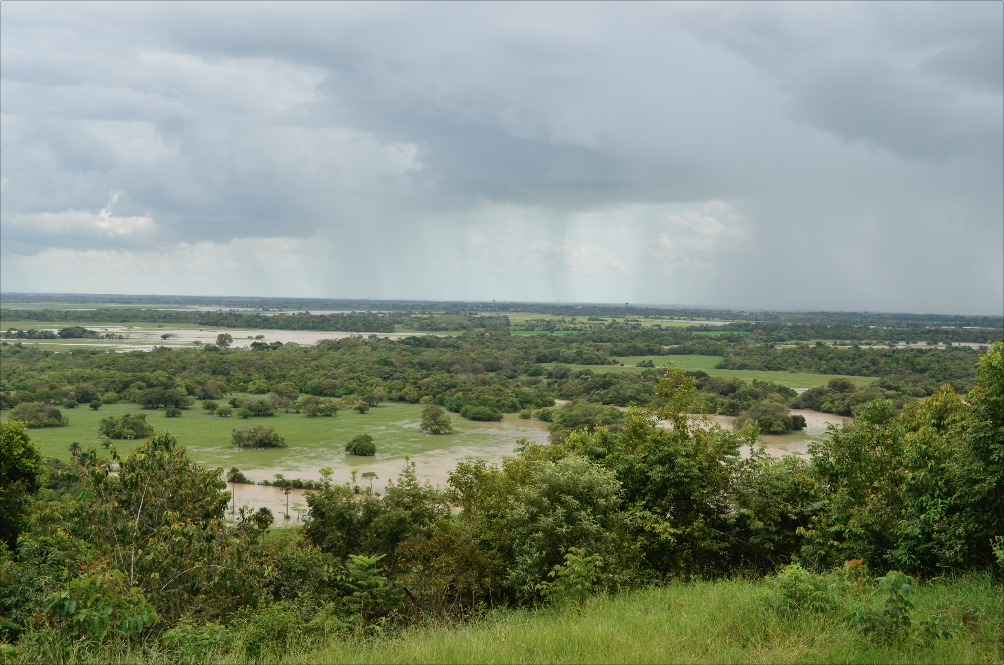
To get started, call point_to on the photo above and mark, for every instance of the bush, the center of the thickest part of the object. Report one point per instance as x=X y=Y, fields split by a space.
x=224 y=412
x=361 y=445
x=257 y=436
x=95 y=405
x=479 y=412
x=210 y=406
x=126 y=427
x=361 y=407
x=37 y=414
x=172 y=412
x=192 y=642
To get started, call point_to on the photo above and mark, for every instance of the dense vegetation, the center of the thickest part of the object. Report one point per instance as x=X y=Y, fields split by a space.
x=479 y=374
x=132 y=552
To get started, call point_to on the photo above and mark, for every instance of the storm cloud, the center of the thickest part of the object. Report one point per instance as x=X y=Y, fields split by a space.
x=786 y=156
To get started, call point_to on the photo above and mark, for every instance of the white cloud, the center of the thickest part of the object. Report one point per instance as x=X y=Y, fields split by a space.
x=103 y=223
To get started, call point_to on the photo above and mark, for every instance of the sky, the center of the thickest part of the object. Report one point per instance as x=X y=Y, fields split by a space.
x=791 y=156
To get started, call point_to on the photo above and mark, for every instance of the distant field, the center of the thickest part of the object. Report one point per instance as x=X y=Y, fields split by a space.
x=544 y=332
x=707 y=364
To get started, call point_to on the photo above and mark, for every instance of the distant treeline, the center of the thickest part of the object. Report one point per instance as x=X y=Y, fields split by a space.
x=425 y=307
x=905 y=332
x=351 y=322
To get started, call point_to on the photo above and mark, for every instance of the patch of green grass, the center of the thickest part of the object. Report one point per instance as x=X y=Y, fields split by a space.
x=312 y=442
x=707 y=364
x=702 y=622
x=725 y=621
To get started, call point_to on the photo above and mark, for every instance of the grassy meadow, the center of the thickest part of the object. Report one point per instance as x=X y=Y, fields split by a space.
x=725 y=621
x=312 y=443
x=707 y=364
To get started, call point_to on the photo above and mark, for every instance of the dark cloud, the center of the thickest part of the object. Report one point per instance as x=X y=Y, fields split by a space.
x=768 y=155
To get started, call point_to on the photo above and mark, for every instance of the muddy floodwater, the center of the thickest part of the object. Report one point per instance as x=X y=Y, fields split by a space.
x=489 y=441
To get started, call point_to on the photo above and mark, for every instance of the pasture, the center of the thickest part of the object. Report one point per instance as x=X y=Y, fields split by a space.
x=707 y=364
x=312 y=443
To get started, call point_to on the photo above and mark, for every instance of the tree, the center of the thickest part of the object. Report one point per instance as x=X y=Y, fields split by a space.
x=435 y=421
x=37 y=414
x=224 y=340
x=210 y=406
x=96 y=404
x=235 y=476
x=20 y=470
x=126 y=427
x=361 y=445
x=361 y=407
x=286 y=488
x=257 y=436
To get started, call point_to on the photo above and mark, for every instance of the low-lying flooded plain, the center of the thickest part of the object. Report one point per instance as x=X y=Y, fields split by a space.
x=312 y=444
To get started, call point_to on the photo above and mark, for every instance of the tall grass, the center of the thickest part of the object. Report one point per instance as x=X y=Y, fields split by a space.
x=731 y=621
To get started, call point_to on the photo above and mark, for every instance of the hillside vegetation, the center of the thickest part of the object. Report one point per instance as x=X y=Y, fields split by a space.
x=884 y=544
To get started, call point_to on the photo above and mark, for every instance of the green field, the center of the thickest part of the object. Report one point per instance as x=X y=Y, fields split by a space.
x=707 y=364
x=544 y=332
x=313 y=443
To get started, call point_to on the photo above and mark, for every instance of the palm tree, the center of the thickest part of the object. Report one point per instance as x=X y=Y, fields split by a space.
x=232 y=477
x=74 y=449
x=286 y=487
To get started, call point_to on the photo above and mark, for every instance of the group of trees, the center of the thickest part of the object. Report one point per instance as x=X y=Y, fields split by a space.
x=135 y=549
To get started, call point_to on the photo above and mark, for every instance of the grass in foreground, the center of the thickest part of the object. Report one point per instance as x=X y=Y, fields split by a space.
x=731 y=621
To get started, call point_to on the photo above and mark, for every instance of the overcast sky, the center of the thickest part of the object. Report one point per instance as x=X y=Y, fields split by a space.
x=783 y=156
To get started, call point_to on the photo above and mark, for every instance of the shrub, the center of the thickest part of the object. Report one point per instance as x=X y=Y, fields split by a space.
x=479 y=412
x=257 y=436
x=361 y=407
x=270 y=626
x=95 y=405
x=224 y=412
x=172 y=412
x=37 y=414
x=574 y=580
x=193 y=642
x=210 y=406
x=126 y=427
x=361 y=445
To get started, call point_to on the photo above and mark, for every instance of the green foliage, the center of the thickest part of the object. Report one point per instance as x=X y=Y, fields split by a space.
x=342 y=523
x=210 y=406
x=480 y=412
x=575 y=580
x=361 y=407
x=768 y=418
x=189 y=641
x=361 y=444
x=313 y=406
x=172 y=412
x=126 y=427
x=20 y=476
x=435 y=421
x=257 y=436
x=100 y=604
x=580 y=415
x=37 y=414
x=893 y=623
